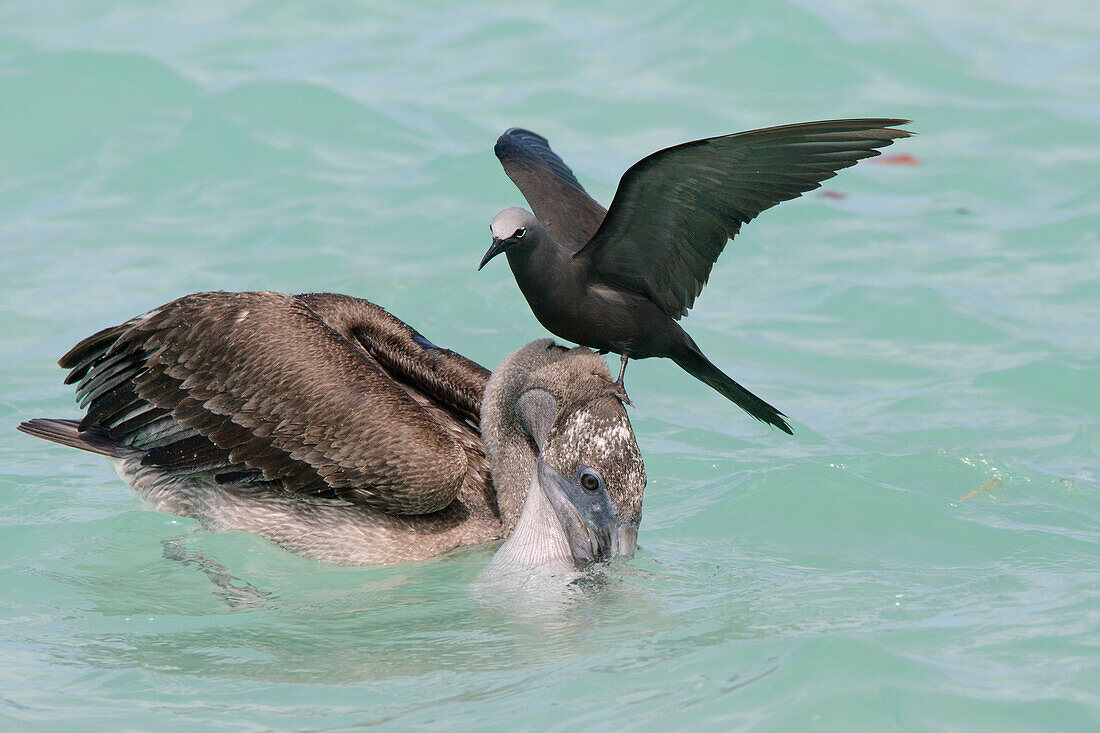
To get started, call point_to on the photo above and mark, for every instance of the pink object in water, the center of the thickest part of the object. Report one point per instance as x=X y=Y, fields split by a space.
x=900 y=159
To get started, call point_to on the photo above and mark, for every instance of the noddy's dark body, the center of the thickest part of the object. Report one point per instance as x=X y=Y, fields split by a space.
x=575 y=306
x=618 y=279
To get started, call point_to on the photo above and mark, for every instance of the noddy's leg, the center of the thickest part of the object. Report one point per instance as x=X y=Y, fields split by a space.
x=617 y=388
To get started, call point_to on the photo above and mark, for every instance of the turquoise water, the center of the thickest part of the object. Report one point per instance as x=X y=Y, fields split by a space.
x=932 y=330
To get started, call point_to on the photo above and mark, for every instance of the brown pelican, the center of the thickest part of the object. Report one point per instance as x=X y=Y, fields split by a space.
x=335 y=430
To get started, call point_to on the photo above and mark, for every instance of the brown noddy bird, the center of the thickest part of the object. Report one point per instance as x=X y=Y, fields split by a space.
x=335 y=430
x=618 y=279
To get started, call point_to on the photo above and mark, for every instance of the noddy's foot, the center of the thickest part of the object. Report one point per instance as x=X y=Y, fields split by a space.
x=619 y=391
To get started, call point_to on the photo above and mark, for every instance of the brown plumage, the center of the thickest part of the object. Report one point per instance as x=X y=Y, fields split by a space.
x=319 y=421
x=207 y=384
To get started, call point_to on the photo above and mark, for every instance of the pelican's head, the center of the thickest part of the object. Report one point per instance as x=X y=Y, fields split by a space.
x=578 y=460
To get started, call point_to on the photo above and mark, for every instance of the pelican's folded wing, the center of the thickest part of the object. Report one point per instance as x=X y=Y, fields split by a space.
x=263 y=387
x=674 y=210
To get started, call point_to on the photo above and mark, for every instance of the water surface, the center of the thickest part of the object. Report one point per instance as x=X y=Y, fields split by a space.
x=921 y=555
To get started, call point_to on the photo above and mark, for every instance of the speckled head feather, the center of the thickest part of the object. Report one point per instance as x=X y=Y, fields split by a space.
x=592 y=428
x=591 y=425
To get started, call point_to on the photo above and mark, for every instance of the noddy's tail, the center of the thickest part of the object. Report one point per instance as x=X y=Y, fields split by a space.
x=68 y=432
x=694 y=363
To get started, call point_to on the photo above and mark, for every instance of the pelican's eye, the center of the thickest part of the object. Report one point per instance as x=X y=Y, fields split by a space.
x=520 y=232
x=590 y=480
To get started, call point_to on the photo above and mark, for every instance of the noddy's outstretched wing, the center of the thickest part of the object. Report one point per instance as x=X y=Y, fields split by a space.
x=556 y=198
x=325 y=395
x=674 y=210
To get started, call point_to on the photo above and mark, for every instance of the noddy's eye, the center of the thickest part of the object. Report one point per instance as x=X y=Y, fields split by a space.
x=520 y=232
x=590 y=481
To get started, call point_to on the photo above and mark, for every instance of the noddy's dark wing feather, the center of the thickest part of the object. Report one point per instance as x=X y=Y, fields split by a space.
x=263 y=386
x=554 y=194
x=675 y=209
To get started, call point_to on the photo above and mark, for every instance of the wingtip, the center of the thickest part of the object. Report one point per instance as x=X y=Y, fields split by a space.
x=895 y=126
x=521 y=131
x=512 y=140
x=892 y=126
x=883 y=124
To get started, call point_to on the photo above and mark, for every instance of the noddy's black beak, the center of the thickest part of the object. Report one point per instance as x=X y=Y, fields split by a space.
x=495 y=248
x=591 y=522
